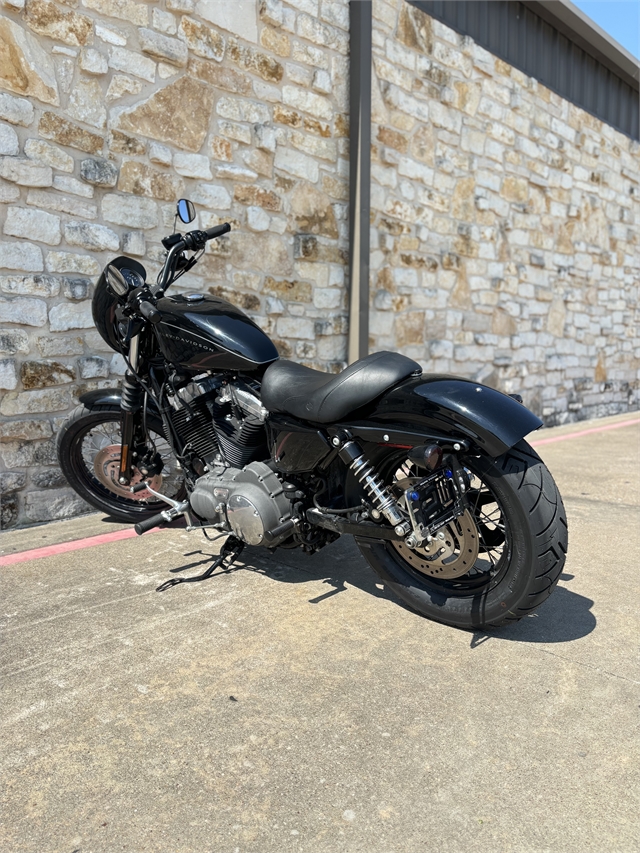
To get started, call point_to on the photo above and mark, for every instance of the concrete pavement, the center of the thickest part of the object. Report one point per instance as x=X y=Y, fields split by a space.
x=293 y=705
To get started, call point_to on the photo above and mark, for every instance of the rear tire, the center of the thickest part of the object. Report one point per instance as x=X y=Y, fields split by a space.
x=532 y=552
x=83 y=436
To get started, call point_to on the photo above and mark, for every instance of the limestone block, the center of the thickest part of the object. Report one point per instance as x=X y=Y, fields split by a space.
x=308 y=102
x=92 y=237
x=164 y=22
x=239 y=132
x=21 y=256
x=48 y=478
x=239 y=17
x=49 y=155
x=289 y=291
x=60 y=346
x=30 y=224
x=130 y=210
x=240 y=110
x=160 y=154
x=295 y=327
x=220 y=76
x=212 y=196
x=8 y=378
x=121 y=59
x=8 y=192
x=221 y=149
x=93 y=62
x=16 y=110
x=192 y=165
x=25 y=172
x=62 y=203
x=20 y=454
x=75 y=315
x=11 y=481
x=180 y=114
x=13 y=341
x=202 y=40
x=8 y=140
x=43 y=374
x=324 y=149
x=122 y=143
x=275 y=41
x=76 y=288
x=126 y=10
x=117 y=365
x=65 y=132
x=86 y=103
x=47 y=19
x=122 y=85
x=139 y=179
x=271 y=12
x=297 y=164
x=23 y=311
x=181 y=5
x=260 y=162
x=235 y=173
x=53 y=505
x=93 y=367
x=312 y=211
x=260 y=252
x=310 y=28
x=133 y=243
x=257 y=219
x=101 y=173
x=159 y=46
x=25 y=67
x=30 y=285
x=257 y=197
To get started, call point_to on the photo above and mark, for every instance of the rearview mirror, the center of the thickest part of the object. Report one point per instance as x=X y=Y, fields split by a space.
x=186 y=210
x=116 y=280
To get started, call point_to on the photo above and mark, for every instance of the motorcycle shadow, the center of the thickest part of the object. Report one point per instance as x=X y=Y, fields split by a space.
x=564 y=617
x=339 y=565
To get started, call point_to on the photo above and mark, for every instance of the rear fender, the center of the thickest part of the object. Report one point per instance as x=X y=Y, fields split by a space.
x=458 y=408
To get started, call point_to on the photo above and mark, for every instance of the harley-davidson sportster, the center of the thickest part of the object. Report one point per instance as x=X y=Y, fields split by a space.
x=430 y=473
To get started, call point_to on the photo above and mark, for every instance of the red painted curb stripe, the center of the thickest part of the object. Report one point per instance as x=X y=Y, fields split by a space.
x=66 y=547
x=583 y=432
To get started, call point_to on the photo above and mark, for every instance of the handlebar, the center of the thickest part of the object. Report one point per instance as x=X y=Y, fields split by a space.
x=149 y=312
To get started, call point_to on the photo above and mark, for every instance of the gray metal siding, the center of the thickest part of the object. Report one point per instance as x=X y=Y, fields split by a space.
x=525 y=40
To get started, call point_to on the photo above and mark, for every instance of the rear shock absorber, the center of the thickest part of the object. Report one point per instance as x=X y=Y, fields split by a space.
x=353 y=456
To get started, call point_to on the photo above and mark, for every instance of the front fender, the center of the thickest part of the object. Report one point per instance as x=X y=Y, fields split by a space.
x=111 y=397
x=491 y=420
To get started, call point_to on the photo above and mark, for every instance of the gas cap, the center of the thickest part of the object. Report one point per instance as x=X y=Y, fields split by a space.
x=194 y=297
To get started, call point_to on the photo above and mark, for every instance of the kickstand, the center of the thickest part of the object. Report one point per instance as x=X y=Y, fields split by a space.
x=231 y=548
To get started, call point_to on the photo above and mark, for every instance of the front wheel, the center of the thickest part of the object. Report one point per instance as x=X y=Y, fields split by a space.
x=514 y=533
x=89 y=444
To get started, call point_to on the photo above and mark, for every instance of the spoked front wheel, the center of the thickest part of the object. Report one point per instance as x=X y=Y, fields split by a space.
x=89 y=456
x=494 y=564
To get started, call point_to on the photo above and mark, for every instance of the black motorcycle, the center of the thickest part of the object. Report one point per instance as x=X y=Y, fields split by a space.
x=430 y=473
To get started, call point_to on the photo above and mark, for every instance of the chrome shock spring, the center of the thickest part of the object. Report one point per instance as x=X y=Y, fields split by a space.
x=365 y=473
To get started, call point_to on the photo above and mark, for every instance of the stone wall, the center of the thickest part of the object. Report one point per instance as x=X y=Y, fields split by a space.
x=110 y=110
x=504 y=225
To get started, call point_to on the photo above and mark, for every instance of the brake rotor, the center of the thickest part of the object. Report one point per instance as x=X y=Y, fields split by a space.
x=451 y=553
x=106 y=466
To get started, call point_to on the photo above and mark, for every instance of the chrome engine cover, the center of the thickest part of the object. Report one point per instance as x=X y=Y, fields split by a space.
x=250 y=499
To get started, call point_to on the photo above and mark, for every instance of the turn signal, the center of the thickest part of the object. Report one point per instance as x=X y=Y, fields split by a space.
x=427 y=456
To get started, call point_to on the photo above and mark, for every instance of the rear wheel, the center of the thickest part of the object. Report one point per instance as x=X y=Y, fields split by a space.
x=89 y=456
x=494 y=564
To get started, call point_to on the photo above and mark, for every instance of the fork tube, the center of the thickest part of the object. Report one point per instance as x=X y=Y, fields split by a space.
x=130 y=403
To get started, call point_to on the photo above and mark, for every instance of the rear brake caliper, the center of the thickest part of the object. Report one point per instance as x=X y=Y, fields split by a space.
x=436 y=501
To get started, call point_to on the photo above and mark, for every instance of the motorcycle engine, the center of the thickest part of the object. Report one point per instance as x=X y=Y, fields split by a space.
x=251 y=499
x=222 y=423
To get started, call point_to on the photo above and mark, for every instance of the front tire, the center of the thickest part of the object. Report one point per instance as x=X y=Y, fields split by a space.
x=88 y=447
x=528 y=539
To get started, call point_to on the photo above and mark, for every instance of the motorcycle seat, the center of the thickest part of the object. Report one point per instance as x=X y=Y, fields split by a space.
x=323 y=398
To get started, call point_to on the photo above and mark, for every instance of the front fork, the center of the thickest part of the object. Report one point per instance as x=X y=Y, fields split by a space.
x=130 y=404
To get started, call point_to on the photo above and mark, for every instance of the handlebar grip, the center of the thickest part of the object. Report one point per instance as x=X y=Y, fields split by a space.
x=155 y=521
x=149 y=312
x=218 y=231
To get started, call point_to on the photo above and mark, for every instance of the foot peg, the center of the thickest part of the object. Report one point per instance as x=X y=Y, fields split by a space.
x=177 y=508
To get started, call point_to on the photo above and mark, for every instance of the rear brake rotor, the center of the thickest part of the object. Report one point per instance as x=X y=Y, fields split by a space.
x=106 y=466
x=450 y=554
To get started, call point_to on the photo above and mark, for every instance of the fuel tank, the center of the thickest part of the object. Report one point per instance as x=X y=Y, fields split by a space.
x=200 y=332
